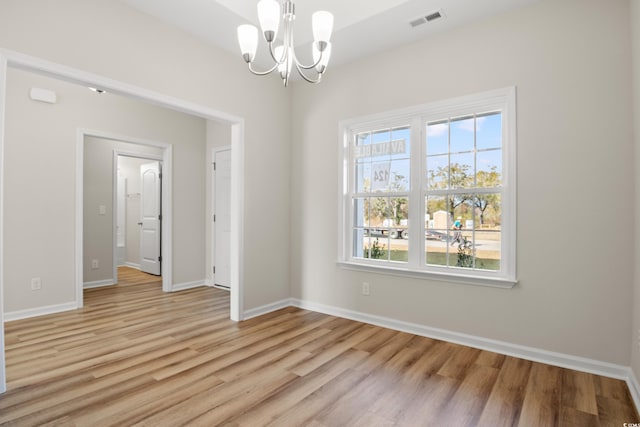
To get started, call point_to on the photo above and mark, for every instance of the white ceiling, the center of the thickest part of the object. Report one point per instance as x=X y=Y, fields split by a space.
x=361 y=27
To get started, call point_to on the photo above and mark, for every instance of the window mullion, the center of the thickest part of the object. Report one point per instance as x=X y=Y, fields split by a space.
x=416 y=205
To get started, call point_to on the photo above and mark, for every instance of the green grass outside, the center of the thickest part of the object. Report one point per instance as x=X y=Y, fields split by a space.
x=440 y=258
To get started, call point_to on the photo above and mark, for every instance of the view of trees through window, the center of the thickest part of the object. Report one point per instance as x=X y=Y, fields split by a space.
x=463 y=202
x=460 y=194
x=382 y=179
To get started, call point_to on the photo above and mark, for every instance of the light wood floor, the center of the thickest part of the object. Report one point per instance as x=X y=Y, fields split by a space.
x=135 y=355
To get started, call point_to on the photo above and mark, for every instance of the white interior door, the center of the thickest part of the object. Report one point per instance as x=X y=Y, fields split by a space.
x=150 y=210
x=222 y=219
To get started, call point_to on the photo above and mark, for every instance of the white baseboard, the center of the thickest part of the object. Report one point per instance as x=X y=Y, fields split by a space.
x=39 y=311
x=187 y=285
x=98 y=284
x=267 y=308
x=529 y=353
x=132 y=265
x=208 y=282
x=634 y=387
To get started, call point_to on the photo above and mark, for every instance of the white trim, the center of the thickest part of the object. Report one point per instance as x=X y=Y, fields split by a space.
x=58 y=71
x=417 y=117
x=99 y=283
x=529 y=353
x=40 y=311
x=268 y=308
x=3 y=96
x=462 y=277
x=188 y=285
x=237 y=221
x=634 y=387
x=132 y=265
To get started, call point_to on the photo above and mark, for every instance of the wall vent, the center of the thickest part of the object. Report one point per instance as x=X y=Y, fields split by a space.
x=427 y=18
x=433 y=16
x=418 y=21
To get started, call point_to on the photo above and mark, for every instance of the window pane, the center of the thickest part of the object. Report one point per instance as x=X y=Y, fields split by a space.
x=489 y=169
x=380 y=175
x=489 y=131
x=398 y=231
x=462 y=232
x=488 y=218
x=363 y=176
x=462 y=170
x=436 y=215
x=437 y=138
x=379 y=136
x=378 y=212
x=377 y=247
x=462 y=135
x=437 y=221
x=401 y=143
x=359 y=241
x=400 y=175
x=398 y=211
x=438 y=172
x=361 y=212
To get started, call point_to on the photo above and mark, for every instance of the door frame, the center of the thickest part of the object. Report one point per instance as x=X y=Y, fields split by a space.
x=167 y=192
x=116 y=154
x=212 y=236
x=9 y=58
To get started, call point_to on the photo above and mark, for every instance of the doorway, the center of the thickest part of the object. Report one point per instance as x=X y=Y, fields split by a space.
x=110 y=162
x=138 y=201
x=15 y=60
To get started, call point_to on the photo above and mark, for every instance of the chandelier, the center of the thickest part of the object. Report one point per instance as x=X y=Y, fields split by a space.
x=269 y=14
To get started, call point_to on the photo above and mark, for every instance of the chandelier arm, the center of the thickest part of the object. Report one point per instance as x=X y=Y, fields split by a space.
x=304 y=76
x=262 y=73
x=306 y=67
x=273 y=55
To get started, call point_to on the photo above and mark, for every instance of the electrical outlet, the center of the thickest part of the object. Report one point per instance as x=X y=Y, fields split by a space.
x=102 y=210
x=366 y=289
x=36 y=284
x=95 y=264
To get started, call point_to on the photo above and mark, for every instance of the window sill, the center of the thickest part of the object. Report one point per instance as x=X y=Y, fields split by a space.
x=467 y=279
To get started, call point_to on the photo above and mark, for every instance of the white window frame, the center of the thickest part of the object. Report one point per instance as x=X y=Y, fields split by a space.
x=503 y=100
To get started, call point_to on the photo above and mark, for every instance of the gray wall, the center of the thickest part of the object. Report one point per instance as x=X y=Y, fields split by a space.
x=40 y=212
x=635 y=332
x=570 y=61
x=134 y=48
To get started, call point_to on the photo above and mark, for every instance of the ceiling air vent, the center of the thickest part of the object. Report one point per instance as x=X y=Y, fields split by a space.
x=433 y=16
x=426 y=18
x=418 y=21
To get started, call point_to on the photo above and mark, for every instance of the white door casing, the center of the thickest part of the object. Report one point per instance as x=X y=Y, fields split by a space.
x=222 y=218
x=150 y=218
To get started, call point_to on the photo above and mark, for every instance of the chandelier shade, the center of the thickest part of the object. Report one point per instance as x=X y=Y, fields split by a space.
x=270 y=13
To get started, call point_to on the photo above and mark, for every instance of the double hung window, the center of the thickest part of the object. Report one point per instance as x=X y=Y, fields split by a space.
x=430 y=190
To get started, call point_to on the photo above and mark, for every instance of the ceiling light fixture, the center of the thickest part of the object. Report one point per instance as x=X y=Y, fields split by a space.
x=269 y=14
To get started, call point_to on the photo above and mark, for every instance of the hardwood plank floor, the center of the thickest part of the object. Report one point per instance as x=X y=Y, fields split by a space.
x=137 y=356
